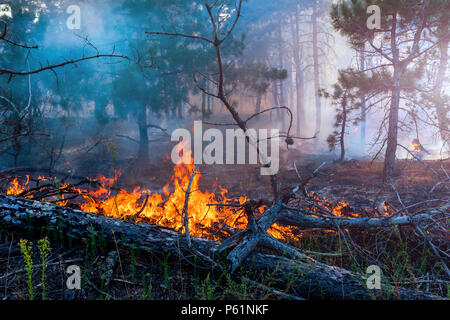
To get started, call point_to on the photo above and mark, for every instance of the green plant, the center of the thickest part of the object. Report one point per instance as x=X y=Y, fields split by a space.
x=146 y=290
x=238 y=290
x=27 y=252
x=102 y=241
x=30 y=229
x=93 y=241
x=102 y=280
x=57 y=233
x=133 y=265
x=207 y=289
x=85 y=242
x=165 y=267
x=69 y=235
x=44 y=250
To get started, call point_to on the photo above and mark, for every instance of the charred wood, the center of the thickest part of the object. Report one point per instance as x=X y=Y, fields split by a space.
x=309 y=278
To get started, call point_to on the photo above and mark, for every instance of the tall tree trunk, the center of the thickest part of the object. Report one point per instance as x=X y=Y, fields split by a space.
x=276 y=100
x=441 y=109
x=208 y=100
x=258 y=102
x=290 y=89
x=143 y=135
x=203 y=105
x=300 y=85
x=391 y=149
x=342 y=135
x=281 y=113
x=299 y=77
x=316 y=68
x=180 y=111
x=363 y=106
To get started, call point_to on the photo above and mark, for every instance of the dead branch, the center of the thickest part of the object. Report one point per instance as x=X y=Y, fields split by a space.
x=4 y=37
x=422 y=233
x=12 y=73
x=307 y=277
x=422 y=162
x=304 y=182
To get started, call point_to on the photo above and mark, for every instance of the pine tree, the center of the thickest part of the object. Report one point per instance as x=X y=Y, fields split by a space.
x=398 y=42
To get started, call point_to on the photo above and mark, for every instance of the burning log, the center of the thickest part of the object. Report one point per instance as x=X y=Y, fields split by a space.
x=297 y=217
x=418 y=149
x=312 y=279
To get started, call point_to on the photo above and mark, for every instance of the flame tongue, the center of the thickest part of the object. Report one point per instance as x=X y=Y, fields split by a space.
x=166 y=208
x=417 y=146
x=163 y=209
x=16 y=188
x=144 y=206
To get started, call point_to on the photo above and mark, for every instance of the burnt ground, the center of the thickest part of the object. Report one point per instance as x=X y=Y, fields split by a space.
x=404 y=257
x=357 y=182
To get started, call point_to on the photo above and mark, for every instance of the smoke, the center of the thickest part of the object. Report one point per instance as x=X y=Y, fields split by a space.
x=87 y=92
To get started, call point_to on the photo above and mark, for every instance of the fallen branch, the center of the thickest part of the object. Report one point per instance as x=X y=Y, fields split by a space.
x=307 y=277
x=422 y=233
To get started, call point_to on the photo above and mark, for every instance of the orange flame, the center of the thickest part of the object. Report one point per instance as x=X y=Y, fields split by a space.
x=164 y=208
x=16 y=188
x=416 y=146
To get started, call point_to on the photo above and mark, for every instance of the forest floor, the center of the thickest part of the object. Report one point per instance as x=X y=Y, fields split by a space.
x=119 y=273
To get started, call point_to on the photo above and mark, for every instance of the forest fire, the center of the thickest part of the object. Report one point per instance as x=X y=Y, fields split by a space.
x=417 y=148
x=320 y=163
x=208 y=211
x=142 y=205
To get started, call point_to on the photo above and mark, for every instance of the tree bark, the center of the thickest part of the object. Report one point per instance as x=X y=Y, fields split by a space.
x=363 y=107
x=143 y=135
x=441 y=109
x=203 y=105
x=299 y=77
x=258 y=102
x=391 y=148
x=281 y=113
x=276 y=101
x=306 y=277
x=316 y=68
x=342 y=134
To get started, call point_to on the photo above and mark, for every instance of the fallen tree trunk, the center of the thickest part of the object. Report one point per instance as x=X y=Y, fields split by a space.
x=307 y=277
x=301 y=219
